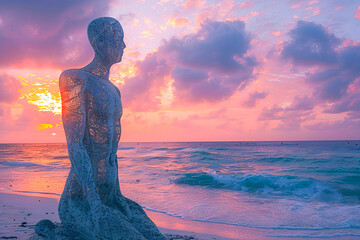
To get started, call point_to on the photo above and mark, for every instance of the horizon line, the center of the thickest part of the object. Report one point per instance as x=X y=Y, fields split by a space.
x=196 y=141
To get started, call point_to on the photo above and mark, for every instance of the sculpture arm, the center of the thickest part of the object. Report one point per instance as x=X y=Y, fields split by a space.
x=72 y=89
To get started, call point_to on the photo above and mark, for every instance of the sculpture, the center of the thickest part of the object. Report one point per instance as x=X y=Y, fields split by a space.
x=92 y=205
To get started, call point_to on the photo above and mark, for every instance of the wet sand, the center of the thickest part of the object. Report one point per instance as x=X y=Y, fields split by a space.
x=19 y=214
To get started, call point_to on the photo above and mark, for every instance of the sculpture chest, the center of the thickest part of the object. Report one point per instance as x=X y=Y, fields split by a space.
x=102 y=99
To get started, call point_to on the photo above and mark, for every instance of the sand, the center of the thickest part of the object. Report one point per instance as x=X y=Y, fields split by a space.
x=20 y=211
x=19 y=214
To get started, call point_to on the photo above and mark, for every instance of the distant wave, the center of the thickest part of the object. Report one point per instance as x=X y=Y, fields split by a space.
x=219 y=149
x=285 y=185
x=194 y=149
x=60 y=157
x=173 y=149
x=125 y=148
x=46 y=193
x=202 y=156
x=21 y=164
x=158 y=158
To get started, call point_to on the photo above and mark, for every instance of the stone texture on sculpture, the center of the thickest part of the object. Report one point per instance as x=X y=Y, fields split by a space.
x=92 y=205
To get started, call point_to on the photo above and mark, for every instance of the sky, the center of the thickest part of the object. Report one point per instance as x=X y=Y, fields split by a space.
x=193 y=70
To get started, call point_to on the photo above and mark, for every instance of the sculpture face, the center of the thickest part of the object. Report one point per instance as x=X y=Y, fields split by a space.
x=110 y=43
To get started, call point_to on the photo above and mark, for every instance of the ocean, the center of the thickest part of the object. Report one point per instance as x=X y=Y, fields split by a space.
x=305 y=189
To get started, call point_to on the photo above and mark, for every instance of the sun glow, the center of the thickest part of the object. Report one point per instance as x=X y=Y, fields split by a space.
x=42 y=94
x=46 y=101
x=167 y=94
x=43 y=126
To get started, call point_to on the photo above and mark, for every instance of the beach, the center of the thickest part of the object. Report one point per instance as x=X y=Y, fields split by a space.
x=239 y=190
x=20 y=213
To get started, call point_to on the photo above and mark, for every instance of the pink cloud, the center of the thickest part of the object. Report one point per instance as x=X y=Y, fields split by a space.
x=178 y=22
x=314 y=10
x=134 y=54
x=296 y=6
x=291 y=117
x=192 y=4
x=225 y=9
x=311 y=2
x=330 y=129
x=246 y=4
x=276 y=33
x=357 y=13
x=21 y=123
x=10 y=87
x=253 y=14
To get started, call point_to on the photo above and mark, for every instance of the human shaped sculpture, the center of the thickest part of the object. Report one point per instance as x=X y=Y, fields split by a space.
x=92 y=205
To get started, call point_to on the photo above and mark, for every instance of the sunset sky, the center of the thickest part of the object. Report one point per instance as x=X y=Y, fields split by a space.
x=193 y=70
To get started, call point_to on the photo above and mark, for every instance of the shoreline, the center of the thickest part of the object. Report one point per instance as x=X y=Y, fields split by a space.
x=20 y=212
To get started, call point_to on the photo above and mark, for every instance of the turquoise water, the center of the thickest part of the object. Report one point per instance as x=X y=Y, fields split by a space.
x=300 y=189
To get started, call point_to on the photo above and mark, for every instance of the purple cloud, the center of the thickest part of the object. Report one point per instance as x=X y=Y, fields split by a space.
x=291 y=117
x=209 y=65
x=253 y=98
x=212 y=64
x=139 y=91
x=351 y=125
x=336 y=79
x=338 y=85
x=350 y=103
x=301 y=104
x=332 y=83
x=218 y=45
x=311 y=44
x=186 y=76
x=43 y=33
x=273 y=113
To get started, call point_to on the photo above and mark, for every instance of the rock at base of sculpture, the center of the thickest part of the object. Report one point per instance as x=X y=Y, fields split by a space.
x=58 y=232
x=47 y=230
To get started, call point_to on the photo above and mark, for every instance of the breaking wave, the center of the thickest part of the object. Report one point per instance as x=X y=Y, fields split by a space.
x=284 y=185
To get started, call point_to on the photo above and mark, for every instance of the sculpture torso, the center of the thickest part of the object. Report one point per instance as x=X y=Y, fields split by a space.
x=103 y=130
x=102 y=111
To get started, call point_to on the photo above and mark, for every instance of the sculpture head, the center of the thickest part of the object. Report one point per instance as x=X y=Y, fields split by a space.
x=106 y=36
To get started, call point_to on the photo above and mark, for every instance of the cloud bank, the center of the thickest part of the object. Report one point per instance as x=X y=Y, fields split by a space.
x=334 y=78
x=207 y=66
x=46 y=33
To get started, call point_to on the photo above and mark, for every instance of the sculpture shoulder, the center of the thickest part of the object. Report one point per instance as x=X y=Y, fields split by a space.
x=71 y=78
